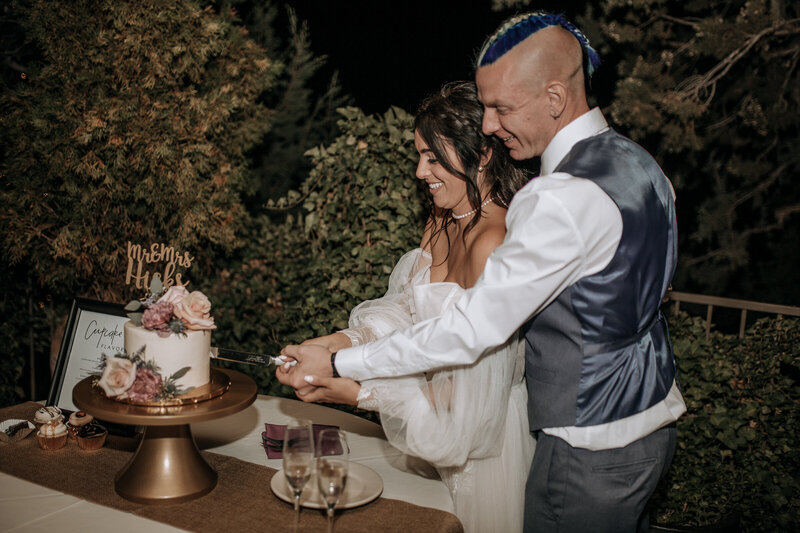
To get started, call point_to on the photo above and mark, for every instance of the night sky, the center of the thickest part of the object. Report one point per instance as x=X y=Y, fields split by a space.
x=395 y=52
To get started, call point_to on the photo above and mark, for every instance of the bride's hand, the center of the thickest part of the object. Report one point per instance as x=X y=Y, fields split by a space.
x=330 y=390
x=333 y=342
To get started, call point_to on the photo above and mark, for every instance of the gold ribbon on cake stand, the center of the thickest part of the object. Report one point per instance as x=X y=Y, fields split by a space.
x=167 y=466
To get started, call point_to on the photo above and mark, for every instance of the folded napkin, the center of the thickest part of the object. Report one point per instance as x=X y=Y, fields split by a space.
x=273 y=440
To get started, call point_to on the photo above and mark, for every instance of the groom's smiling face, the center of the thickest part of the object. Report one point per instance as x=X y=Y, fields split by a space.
x=514 y=110
x=532 y=91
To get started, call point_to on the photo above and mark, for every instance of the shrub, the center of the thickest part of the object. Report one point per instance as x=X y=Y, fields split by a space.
x=737 y=443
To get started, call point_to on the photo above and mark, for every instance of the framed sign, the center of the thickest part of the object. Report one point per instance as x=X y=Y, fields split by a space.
x=93 y=329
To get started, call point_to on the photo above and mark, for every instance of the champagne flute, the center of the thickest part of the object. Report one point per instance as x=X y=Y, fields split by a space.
x=298 y=460
x=331 y=468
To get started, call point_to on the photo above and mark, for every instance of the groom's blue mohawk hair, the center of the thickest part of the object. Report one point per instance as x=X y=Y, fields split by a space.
x=518 y=28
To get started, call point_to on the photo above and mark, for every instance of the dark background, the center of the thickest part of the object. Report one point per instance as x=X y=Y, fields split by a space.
x=394 y=53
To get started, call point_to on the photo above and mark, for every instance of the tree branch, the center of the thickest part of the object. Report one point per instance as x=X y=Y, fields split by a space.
x=780 y=215
x=694 y=87
x=763 y=185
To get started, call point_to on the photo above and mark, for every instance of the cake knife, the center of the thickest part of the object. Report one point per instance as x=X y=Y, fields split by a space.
x=249 y=358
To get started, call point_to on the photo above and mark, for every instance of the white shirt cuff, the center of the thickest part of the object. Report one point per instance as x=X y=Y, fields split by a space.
x=350 y=363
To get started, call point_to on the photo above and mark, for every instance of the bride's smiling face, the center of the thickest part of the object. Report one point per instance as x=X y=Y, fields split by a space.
x=448 y=190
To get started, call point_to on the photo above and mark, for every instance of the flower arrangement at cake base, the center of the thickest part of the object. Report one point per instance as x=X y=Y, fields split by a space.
x=131 y=379
x=167 y=349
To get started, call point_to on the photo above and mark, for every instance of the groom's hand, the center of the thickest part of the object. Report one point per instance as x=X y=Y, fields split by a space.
x=312 y=360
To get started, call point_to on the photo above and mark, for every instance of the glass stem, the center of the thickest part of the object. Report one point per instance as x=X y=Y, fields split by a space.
x=296 y=511
x=330 y=518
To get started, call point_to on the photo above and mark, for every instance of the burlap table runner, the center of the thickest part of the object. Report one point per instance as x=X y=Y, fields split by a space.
x=242 y=500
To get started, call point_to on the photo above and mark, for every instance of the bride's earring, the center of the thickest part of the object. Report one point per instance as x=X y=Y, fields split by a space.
x=480 y=168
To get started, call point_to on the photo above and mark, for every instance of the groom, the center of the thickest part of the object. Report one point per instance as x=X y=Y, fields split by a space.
x=589 y=254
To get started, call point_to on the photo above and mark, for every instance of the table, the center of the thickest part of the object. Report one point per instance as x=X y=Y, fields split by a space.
x=29 y=507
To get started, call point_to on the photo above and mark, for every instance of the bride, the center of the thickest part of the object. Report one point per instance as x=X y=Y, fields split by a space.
x=469 y=422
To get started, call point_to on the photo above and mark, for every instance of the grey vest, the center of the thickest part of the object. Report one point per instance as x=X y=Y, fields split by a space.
x=601 y=350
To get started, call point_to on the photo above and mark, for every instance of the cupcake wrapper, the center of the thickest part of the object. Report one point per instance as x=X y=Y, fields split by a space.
x=52 y=443
x=92 y=443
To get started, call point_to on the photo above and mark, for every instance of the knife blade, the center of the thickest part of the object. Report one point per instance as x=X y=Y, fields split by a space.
x=248 y=358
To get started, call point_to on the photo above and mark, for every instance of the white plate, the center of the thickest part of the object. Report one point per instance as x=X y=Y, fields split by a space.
x=363 y=485
x=5 y=424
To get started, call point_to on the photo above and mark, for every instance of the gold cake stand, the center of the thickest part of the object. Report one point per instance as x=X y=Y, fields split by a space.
x=167 y=467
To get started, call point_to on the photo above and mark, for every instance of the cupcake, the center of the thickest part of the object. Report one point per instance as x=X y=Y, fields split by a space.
x=92 y=436
x=77 y=420
x=52 y=435
x=47 y=414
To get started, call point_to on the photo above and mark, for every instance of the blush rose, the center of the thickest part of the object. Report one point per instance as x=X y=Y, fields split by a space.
x=194 y=310
x=118 y=376
x=174 y=294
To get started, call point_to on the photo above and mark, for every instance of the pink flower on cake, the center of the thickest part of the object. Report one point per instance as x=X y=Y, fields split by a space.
x=118 y=376
x=146 y=387
x=174 y=294
x=195 y=311
x=157 y=317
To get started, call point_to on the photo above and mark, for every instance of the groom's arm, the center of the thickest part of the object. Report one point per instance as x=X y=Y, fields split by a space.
x=560 y=229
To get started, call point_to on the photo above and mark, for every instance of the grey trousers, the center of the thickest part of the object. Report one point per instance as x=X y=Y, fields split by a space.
x=576 y=490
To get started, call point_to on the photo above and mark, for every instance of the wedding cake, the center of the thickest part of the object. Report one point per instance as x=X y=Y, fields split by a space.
x=167 y=348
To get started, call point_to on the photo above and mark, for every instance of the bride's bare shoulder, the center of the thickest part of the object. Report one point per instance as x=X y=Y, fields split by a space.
x=488 y=236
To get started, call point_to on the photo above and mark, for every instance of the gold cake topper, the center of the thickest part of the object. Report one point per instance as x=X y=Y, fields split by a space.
x=139 y=256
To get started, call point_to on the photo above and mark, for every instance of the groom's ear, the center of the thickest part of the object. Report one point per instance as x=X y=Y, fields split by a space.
x=557 y=94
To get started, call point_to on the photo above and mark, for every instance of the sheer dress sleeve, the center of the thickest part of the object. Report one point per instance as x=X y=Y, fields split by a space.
x=373 y=319
x=448 y=416
x=457 y=414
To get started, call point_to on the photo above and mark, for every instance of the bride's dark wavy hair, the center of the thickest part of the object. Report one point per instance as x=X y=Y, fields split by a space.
x=452 y=116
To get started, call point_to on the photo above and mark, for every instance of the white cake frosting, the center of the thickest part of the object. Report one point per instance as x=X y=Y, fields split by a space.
x=173 y=353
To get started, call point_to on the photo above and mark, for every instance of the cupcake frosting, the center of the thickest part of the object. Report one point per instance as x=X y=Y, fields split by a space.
x=47 y=414
x=80 y=418
x=54 y=428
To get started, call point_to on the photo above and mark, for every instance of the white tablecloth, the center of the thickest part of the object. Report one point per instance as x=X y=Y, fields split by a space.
x=28 y=507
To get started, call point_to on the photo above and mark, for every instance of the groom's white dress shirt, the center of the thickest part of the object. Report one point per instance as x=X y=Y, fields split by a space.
x=560 y=229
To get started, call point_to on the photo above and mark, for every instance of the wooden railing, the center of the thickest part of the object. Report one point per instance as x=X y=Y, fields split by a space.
x=745 y=305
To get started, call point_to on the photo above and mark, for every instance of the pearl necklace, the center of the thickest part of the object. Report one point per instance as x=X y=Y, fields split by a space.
x=465 y=215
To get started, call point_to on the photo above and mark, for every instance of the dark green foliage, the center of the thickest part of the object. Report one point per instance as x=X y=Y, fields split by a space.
x=133 y=126
x=359 y=210
x=737 y=444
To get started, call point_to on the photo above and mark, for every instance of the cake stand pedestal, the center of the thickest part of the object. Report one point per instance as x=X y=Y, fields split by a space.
x=167 y=467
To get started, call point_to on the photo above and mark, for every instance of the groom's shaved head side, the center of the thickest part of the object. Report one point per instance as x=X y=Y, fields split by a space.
x=519 y=29
x=550 y=55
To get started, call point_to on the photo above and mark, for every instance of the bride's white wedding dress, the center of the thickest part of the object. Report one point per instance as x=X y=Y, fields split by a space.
x=470 y=422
